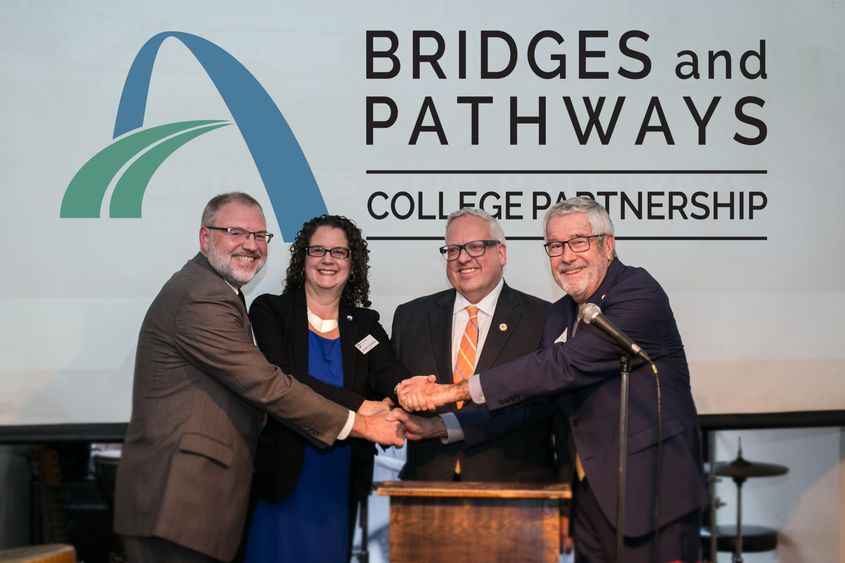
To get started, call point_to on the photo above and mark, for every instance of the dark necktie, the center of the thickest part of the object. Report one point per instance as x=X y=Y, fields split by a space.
x=242 y=298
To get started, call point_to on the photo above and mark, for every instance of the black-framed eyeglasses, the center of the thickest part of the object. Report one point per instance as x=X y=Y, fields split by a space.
x=319 y=251
x=237 y=232
x=474 y=248
x=576 y=244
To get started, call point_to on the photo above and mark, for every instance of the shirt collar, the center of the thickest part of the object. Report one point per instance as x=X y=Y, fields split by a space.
x=235 y=289
x=487 y=305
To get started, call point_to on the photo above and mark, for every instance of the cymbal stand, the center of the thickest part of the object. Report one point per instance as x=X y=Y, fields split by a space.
x=739 y=480
x=622 y=468
x=716 y=503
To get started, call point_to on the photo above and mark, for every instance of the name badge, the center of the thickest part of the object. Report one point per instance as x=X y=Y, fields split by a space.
x=562 y=337
x=366 y=344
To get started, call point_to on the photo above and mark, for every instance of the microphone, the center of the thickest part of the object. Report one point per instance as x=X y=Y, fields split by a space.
x=591 y=314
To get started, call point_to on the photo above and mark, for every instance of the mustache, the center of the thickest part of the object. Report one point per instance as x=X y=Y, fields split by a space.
x=566 y=268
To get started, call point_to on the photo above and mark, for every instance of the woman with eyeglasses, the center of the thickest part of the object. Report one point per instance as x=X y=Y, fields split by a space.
x=320 y=331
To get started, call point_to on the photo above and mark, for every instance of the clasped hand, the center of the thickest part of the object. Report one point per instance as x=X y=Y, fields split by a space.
x=382 y=427
x=392 y=427
x=423 y=393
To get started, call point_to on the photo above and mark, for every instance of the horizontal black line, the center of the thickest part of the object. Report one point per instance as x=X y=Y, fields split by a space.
x=559 y=172
x=805 y=419
x=715 y=238
x=109 y=432
x=405 y=238
x=695 y=238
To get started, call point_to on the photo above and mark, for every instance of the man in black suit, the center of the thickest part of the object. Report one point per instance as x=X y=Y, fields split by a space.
x=427 y=334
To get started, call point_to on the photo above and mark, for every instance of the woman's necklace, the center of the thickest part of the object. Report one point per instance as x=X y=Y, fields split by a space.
x=321 y=325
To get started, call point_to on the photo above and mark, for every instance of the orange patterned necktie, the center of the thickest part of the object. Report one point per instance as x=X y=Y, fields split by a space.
x=465 y=361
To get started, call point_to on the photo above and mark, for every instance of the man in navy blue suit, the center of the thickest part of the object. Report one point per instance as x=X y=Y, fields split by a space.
x=578 y=365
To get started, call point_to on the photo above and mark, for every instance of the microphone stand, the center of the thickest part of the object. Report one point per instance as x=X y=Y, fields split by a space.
x=624 y=373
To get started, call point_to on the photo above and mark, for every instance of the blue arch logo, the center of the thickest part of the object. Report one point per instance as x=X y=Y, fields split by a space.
x=137 y=152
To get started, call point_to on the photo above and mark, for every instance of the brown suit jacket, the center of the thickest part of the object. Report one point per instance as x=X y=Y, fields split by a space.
x=199 y=383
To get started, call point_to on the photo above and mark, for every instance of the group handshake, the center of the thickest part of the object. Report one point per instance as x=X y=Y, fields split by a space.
x=390 y=425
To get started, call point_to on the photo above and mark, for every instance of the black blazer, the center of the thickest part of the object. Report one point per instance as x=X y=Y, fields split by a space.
x=280 y=323
x=422 y=340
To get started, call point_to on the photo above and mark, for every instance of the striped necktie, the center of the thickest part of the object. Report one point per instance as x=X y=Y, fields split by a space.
x=465 y=361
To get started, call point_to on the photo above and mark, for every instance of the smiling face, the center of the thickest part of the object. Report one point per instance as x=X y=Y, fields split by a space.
x=579 y=273
x=474 y=277
x=326 y=273
x=234 y=257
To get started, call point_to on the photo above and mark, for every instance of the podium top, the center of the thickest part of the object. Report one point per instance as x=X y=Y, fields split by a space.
x=557 y=491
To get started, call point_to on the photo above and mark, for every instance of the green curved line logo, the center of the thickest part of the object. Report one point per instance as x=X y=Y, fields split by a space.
x=146 y=149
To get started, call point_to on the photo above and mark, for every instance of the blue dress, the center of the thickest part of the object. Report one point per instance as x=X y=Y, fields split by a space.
x=312 y=524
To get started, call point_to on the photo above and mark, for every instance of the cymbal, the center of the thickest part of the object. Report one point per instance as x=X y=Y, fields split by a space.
x=742 y=468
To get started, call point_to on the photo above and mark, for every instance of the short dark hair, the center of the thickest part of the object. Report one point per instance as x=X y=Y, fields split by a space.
x=356 y=292
x=209 y=214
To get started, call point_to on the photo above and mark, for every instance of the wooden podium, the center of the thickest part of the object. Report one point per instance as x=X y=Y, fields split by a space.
x=454 y=522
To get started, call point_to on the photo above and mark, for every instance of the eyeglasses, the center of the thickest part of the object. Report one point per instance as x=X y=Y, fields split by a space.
x=474 y=248
x=237 y=232
x=576 y=244
x=319 y=251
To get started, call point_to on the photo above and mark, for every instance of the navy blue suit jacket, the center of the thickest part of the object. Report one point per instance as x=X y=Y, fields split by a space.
x=583 y=376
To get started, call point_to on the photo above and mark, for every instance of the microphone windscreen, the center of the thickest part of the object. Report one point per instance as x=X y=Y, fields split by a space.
x=589 y=312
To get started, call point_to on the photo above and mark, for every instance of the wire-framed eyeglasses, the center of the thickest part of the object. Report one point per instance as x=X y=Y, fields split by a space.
x=237 y=232
x=576 y=244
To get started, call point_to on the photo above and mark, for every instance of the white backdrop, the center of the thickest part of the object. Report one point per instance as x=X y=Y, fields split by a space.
x=759 y=308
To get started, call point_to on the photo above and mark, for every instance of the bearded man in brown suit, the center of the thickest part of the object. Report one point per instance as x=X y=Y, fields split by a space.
x=200 y=387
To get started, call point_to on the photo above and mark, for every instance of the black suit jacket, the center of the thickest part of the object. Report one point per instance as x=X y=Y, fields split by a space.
x=280 y=323
x=584 y=373
x=422 y=340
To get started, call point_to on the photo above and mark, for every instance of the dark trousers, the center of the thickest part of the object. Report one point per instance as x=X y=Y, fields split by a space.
x=595 y=536
x=157 y=550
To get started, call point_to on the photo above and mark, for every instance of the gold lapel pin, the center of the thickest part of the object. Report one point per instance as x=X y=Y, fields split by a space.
x=503 y=327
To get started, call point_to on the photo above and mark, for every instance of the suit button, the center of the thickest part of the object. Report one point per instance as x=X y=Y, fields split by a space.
x=574 y=422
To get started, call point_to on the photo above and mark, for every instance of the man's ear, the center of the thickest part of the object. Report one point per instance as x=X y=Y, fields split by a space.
x=609 y=242
x=204 y=234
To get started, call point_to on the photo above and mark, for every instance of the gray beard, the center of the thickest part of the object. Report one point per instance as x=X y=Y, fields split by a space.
x=222 y=264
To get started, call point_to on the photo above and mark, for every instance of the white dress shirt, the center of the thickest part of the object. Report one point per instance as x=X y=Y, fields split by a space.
x=460 y=316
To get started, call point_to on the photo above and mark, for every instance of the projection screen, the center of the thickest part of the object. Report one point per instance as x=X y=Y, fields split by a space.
x=711 y=131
